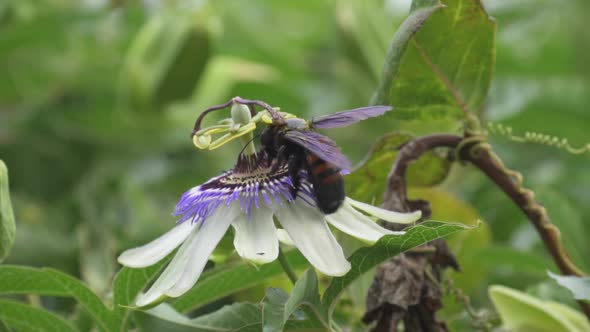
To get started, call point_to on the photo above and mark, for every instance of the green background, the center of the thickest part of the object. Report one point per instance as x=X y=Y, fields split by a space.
x=97 y=100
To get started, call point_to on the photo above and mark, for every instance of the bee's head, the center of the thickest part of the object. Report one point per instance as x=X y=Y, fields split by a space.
x=296 y=123
x=267 y=137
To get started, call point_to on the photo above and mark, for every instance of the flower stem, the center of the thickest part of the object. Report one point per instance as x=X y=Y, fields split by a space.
x=287 y=267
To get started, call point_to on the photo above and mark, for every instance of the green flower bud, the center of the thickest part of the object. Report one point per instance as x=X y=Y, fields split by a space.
x=240 y=114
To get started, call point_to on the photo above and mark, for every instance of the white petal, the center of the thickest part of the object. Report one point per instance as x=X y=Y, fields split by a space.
x=310 y=233
x=390 y=216
x=284 y=238
x=256 y=238
x=159 y=248
x=193 y=246
x=207 y=239
x=354 y=223
x=171 y=274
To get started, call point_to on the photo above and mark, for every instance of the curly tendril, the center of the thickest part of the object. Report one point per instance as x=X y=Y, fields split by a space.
x=537 y=138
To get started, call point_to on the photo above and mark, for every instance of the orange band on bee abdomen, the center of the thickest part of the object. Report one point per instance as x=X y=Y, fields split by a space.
x=320 y=168
x=334 y=177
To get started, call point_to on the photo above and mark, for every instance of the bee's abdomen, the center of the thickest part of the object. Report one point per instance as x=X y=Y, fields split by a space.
x=327 y=182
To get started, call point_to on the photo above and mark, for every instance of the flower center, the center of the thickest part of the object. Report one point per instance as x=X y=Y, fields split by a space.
x=252 y=169
x=250 y=183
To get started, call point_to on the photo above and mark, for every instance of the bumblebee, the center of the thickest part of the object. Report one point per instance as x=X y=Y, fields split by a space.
x=296 y=142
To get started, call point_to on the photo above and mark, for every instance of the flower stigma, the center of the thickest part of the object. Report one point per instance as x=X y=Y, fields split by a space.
x=242 y=123
x=241 y=115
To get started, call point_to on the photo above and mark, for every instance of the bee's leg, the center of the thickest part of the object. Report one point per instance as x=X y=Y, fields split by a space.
x=280 y=158
x=295 y=163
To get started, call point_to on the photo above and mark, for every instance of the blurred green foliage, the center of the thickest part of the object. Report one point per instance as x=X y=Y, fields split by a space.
x=523 y=312
x=7 y=224
x=97 y=100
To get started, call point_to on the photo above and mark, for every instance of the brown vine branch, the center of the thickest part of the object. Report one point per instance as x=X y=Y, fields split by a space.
x=475 y=150
x=406 y=289
x=410 y=151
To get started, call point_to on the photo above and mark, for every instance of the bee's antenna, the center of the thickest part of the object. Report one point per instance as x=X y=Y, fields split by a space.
x=246 y=145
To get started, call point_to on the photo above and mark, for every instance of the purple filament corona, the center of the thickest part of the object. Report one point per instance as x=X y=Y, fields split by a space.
x=249 y=183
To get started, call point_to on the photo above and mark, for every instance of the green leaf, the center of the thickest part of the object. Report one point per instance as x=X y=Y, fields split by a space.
x=128 y=284
x=7 y=225
x=235 y=317
x=25 y=318
x=522 y=312
x=90 y=301
x=82 y=320
x=388 y=246
x=306 y=293
x=241 y=316
x=24 y=280
x=444 y=68
x=421 y=11
x=273 y=309
x=278 y=306
x=219 y=283
x=579 y=286
x=368 y=181
x=574 y=317
x=28 y=280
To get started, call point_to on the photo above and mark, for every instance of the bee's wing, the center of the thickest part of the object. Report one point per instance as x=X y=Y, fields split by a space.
x=345 y=118
x=320 y=145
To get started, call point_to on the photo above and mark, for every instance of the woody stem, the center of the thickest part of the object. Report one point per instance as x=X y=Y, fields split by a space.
x=479 y=153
